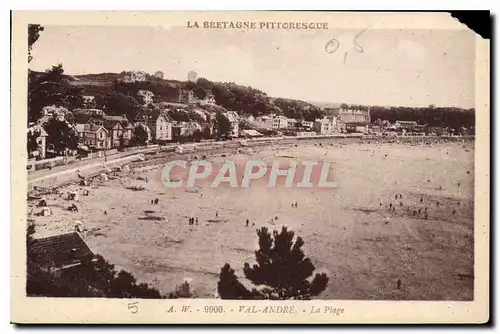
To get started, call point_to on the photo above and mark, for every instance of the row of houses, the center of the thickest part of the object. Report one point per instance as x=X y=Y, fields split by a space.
x=98 y=131
x=138 y=76
x=146 y=97
x=188 y=97
x=342 y=120
x=106 y=132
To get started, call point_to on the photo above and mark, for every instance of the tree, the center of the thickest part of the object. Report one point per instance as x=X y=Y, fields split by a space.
x=197 y=135
x=122 y=142
x=48 y=88
x=222 y=125
x=281 y=268
x=140 y=135
x=200 y=93
x=205 y=132
x=33 y=35
x=61 y=135
x=118 y=104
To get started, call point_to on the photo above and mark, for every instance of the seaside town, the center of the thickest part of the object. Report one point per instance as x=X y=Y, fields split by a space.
x=189 y=118
x=101 y=223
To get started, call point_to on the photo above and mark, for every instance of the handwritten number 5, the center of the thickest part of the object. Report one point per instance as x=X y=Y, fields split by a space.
x=358 y=47
x=133 y=307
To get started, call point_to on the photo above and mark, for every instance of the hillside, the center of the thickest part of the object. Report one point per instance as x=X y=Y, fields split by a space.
x=243 y=99
x=119 y=97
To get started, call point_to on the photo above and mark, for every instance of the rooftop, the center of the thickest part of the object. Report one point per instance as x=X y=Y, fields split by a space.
x=61 y=250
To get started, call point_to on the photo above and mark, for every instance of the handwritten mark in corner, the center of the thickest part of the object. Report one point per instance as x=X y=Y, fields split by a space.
x=333 y=44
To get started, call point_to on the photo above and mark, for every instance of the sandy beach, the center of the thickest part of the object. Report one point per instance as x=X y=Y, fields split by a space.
x=349 y=232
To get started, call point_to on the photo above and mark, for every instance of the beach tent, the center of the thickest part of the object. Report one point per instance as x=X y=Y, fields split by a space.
x=46 y=212
x=73 y=195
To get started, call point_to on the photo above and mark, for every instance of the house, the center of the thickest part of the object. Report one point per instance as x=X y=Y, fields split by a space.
x=162 y=130
x=127 y=126
x=128 y=133
x=306 y=134
x=159 y=124
x=264 y=122
x=88 y=116
x=60 y=252
x=94 y=136
x=280 y=122
x=159 y=74
x=41 y=141
x=187 y=97
x=89 y=101
x=376 y=129
x=353 y=120
x=54 y=111
x=208 y=100
x=349 y=115
x=308 y=125
x=291 y=123
x=405 y=125
x=326 y=125
x=115 y=127
x=89 y=111
x=420 y=128
x=233 y=118
x=135 y=76
x=146 y=96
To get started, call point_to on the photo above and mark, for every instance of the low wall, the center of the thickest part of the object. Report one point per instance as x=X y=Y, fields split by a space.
x=70 y=175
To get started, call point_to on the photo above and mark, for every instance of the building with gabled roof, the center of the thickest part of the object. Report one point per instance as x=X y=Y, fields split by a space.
x=146 y=96
x=94 y=136
x=61 y=251
x=234 y=120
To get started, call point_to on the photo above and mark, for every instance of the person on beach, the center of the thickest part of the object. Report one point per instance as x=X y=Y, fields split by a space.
x=247 y=222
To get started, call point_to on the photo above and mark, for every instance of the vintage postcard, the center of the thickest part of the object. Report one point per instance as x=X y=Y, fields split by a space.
x=249 y=167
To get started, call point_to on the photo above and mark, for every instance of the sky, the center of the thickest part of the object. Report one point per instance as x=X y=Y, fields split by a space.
x=395 y=67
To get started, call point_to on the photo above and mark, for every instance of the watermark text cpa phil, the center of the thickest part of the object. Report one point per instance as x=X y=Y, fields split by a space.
x=237 y=174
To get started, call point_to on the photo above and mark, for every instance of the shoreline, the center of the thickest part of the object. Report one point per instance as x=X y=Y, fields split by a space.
x=152 y=155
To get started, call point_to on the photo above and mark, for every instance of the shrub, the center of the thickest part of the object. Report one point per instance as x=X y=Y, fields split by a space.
x=282 y=271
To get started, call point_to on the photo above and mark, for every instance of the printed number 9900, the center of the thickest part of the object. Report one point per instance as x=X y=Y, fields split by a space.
x=214 y=309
